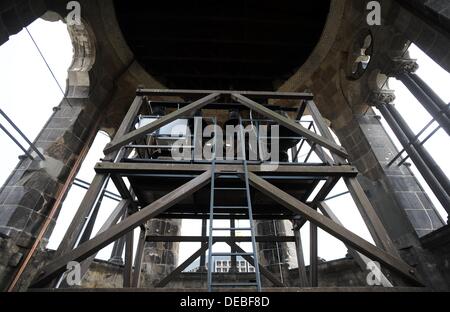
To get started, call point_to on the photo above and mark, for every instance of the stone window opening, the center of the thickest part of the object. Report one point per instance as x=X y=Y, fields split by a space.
x=428 y=132
x=23 y=67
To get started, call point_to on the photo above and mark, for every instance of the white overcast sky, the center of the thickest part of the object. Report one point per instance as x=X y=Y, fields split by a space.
x=28 y=93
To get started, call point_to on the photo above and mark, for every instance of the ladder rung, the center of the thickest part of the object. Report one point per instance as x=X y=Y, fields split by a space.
x=230 y=176
x=231 y=207
x=235 y=285
x=237 y=254
x=232 y=229
x=230 y=189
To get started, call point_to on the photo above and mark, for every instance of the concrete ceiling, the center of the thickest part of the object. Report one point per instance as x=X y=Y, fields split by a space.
x=233 y=44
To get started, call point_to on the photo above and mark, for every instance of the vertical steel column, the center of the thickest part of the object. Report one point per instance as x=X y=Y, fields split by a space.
x=233 y=268
x=300 y=256
x=128 y=269
x=203 y=256
x=138 y=257
x=118 y=247
x=313 y=265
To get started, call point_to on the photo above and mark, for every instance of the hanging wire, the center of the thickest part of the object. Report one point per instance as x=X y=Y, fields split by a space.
x=48 y=66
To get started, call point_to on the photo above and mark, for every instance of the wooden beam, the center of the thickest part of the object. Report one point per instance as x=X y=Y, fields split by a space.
x=152 y=127
x=291 y=125
x=104 y=239
x=334 y=229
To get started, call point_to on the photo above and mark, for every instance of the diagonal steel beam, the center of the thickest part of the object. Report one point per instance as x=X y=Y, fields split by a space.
x=336 y=230
x=367 y=211
x=182 y=266
x=362 y=260
x=265 y=272
x=52 y=270
x=183 y=112
x=291 y=125
x=112 y=219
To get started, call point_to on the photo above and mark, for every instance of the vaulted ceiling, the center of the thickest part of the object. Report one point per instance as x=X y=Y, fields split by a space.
x=226 y=44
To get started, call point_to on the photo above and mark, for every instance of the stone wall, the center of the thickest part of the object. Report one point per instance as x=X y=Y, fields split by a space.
x=340 y=273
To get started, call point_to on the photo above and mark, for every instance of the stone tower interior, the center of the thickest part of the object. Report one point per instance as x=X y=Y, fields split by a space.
x=315 y=71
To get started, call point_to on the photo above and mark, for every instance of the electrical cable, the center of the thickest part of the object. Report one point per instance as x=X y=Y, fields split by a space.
x=48 y=66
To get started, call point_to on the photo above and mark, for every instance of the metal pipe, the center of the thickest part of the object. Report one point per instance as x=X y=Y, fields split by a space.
x=430 y=92
x=415 y=139
x=428 y=103
x=16 y=142
x=32 y=146
x=419 y=162
x=422 y=143
x=424 y=154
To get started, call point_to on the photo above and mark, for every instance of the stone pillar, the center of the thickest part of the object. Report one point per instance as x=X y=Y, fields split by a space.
x=31 y=191
x=160 y=258
x=404 y=70
x=399 y=200
x=273 y=256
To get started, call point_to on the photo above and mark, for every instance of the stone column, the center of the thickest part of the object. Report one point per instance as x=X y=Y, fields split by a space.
x=31 y=191
x=160 y=258
x=399 y=200
x=273 y=256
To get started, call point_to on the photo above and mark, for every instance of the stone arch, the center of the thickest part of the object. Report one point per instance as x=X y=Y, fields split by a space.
x=84 y=57
x=323 y=48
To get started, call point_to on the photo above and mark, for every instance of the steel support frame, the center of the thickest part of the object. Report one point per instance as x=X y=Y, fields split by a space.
x=390 y=261
x=104 y=238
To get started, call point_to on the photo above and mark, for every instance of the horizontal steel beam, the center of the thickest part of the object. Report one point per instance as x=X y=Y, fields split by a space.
x=146 y=168
x=220 y=239
x=255 y=94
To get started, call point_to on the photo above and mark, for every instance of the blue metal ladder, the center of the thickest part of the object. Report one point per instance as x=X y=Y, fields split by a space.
x=213 y=207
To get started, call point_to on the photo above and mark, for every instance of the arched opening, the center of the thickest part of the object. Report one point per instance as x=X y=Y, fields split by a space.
x=428 y=133
x=29 y=92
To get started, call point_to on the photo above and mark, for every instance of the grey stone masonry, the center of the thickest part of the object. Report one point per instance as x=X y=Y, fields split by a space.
x=30 y=192
x=273 y=256
x=372 y=150
x=14 y=15
x=160 y=258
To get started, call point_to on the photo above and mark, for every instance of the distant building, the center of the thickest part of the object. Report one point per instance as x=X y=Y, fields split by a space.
x=223 y=265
